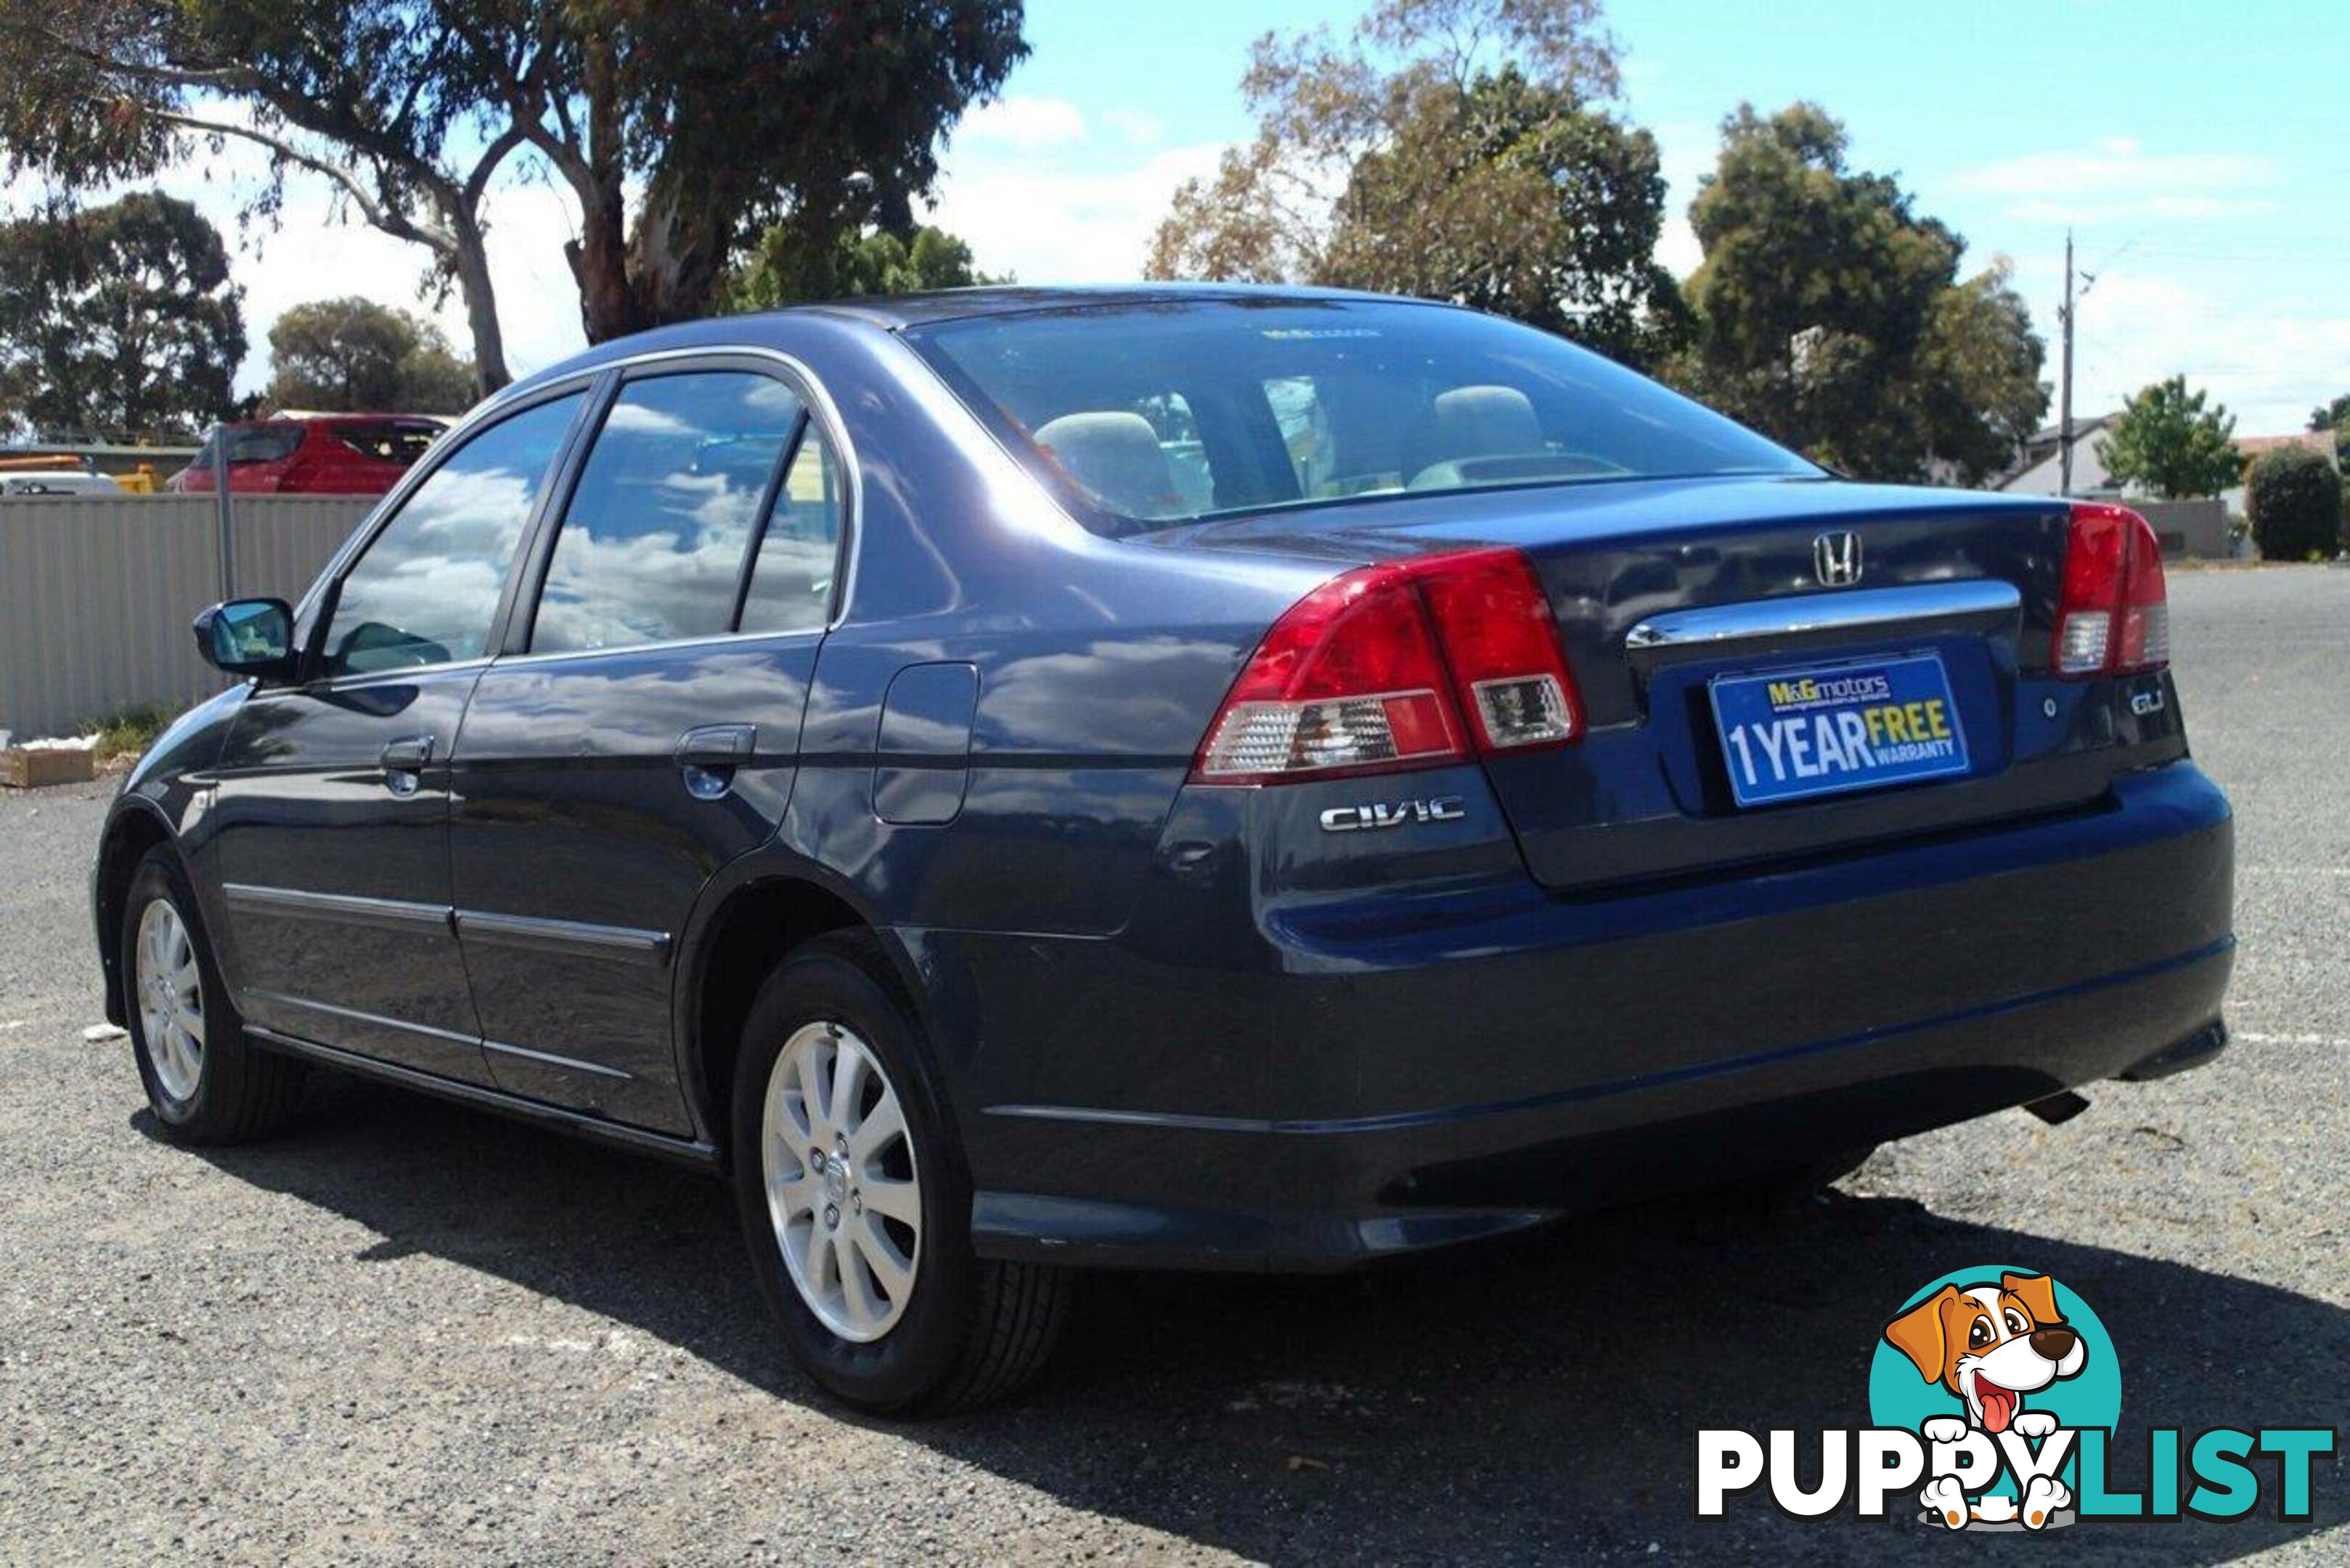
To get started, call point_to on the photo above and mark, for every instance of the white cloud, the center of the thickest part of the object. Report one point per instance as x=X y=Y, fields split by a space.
x=2269 y=363
x=1686 y=153
x=1048 y=225
x=1136 y=127
x=311 y=252
x=2091 y=213
x=318 y=247
x=2116 y=178
x=1024 y=122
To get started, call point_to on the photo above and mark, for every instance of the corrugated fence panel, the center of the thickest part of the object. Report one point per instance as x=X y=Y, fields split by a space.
x=96 y=594
x=281 y=545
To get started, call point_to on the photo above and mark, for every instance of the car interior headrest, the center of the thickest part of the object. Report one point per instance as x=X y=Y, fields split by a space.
x=1115 y=455
x=1474 y=422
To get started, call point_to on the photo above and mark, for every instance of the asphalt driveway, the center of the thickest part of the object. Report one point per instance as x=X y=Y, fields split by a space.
x=407 y=1331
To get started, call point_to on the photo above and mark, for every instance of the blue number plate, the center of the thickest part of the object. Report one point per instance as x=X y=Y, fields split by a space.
x=1825 y=731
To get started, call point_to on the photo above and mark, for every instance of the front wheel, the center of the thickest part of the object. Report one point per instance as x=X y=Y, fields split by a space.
x=204 y=1082
x=854 y=1200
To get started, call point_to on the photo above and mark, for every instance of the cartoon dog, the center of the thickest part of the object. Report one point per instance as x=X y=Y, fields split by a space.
x=1991 y=1345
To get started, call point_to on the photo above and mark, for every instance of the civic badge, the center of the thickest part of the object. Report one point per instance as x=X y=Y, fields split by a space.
x=1836 y=558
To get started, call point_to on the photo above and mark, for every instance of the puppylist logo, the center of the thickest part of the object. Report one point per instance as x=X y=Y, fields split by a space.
x=1993 y=1398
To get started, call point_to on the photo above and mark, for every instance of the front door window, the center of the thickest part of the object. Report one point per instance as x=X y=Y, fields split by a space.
x=426 y=590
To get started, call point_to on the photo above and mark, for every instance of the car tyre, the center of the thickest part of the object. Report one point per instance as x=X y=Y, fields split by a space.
x=206 y=1083
x=892 y=1313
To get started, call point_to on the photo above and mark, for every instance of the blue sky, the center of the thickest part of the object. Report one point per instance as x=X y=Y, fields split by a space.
x=2201 y=152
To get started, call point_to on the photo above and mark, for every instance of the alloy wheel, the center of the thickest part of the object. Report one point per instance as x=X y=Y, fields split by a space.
x=171 y=999
x=844 y=1190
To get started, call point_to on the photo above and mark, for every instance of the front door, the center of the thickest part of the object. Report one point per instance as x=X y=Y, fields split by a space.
x=332 y=808
x=644 y=730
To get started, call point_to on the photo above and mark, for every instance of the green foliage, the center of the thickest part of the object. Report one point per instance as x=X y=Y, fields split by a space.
x=1513 y=198
x=855 y=264
x=117 y=322
x=1471 y=160
x=682 y=132
x=2336 y=417
x=351 y=355
x=736 y=115
x=1831 y=316
x=127 y=730
x=2294 y=497
x=2175 y=442
x=389 y=103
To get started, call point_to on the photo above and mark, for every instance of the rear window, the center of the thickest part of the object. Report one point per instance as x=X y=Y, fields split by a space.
x=401 y=441
x=1151 y=415
x=271 y=442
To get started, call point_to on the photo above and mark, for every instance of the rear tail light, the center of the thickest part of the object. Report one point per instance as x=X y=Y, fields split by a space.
x=1401 y=665
x=2115 y=615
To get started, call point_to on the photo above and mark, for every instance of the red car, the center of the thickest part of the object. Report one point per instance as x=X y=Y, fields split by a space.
x=315 y=454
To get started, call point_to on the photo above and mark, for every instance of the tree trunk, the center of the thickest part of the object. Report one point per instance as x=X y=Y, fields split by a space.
x=470 y=260
x=609 y=306
x=600 y=264
x=677 y=255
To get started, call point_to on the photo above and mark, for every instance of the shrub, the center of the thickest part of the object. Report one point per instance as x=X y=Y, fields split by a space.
x=2294 y=497
x=129 y=730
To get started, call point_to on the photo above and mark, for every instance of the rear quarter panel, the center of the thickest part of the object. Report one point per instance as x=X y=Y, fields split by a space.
x=1100 y=663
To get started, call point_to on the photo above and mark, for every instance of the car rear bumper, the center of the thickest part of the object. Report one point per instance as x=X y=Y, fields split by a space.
x=1416 y=1072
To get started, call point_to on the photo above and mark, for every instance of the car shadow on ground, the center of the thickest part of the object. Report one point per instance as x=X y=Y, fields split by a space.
x=1536 y=1398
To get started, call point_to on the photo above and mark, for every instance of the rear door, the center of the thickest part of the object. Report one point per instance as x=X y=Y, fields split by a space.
x=643 y=727
x=331 y=807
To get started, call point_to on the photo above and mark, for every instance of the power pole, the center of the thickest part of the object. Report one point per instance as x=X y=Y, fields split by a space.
x=2064 y=396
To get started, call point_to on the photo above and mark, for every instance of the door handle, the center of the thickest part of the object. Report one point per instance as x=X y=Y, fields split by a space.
x=708 y=755
x=404 y=763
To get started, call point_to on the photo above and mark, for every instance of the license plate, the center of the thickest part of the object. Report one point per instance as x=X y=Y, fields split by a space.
x=1804 y=732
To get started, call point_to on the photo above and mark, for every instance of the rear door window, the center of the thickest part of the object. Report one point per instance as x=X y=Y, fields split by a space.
x=653 y=542
x=791 y=582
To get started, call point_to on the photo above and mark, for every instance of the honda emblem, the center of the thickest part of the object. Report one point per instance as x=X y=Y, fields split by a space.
x=1836 y=557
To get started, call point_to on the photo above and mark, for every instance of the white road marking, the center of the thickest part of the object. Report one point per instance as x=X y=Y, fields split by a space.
x=2295 y=871
x=2249 y=1038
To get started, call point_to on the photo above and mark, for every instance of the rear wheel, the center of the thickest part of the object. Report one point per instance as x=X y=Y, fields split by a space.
x=855 y=1204
x=205 y=1084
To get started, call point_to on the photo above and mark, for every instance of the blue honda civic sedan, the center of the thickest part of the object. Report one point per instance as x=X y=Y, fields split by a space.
x=1021 y=780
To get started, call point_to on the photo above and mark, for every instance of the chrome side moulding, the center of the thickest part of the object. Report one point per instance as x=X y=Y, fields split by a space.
x=385 y=914
x=549 y=1059
x=575 y=937
x=353 y=1015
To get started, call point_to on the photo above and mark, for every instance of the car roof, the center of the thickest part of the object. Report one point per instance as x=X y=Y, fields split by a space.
x=901 y=310
x=313 y=416
x=893 y=312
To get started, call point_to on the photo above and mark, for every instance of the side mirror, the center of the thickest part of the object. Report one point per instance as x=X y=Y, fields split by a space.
x=248 y=636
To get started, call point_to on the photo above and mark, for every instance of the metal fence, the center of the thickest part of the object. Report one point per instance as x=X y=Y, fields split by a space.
x=2197 y=528
x=97 y=592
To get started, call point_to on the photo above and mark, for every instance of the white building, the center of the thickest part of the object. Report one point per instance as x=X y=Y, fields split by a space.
x=2039 y=472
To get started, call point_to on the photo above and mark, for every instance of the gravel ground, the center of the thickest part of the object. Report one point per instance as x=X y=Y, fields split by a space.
x=406 y=1331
